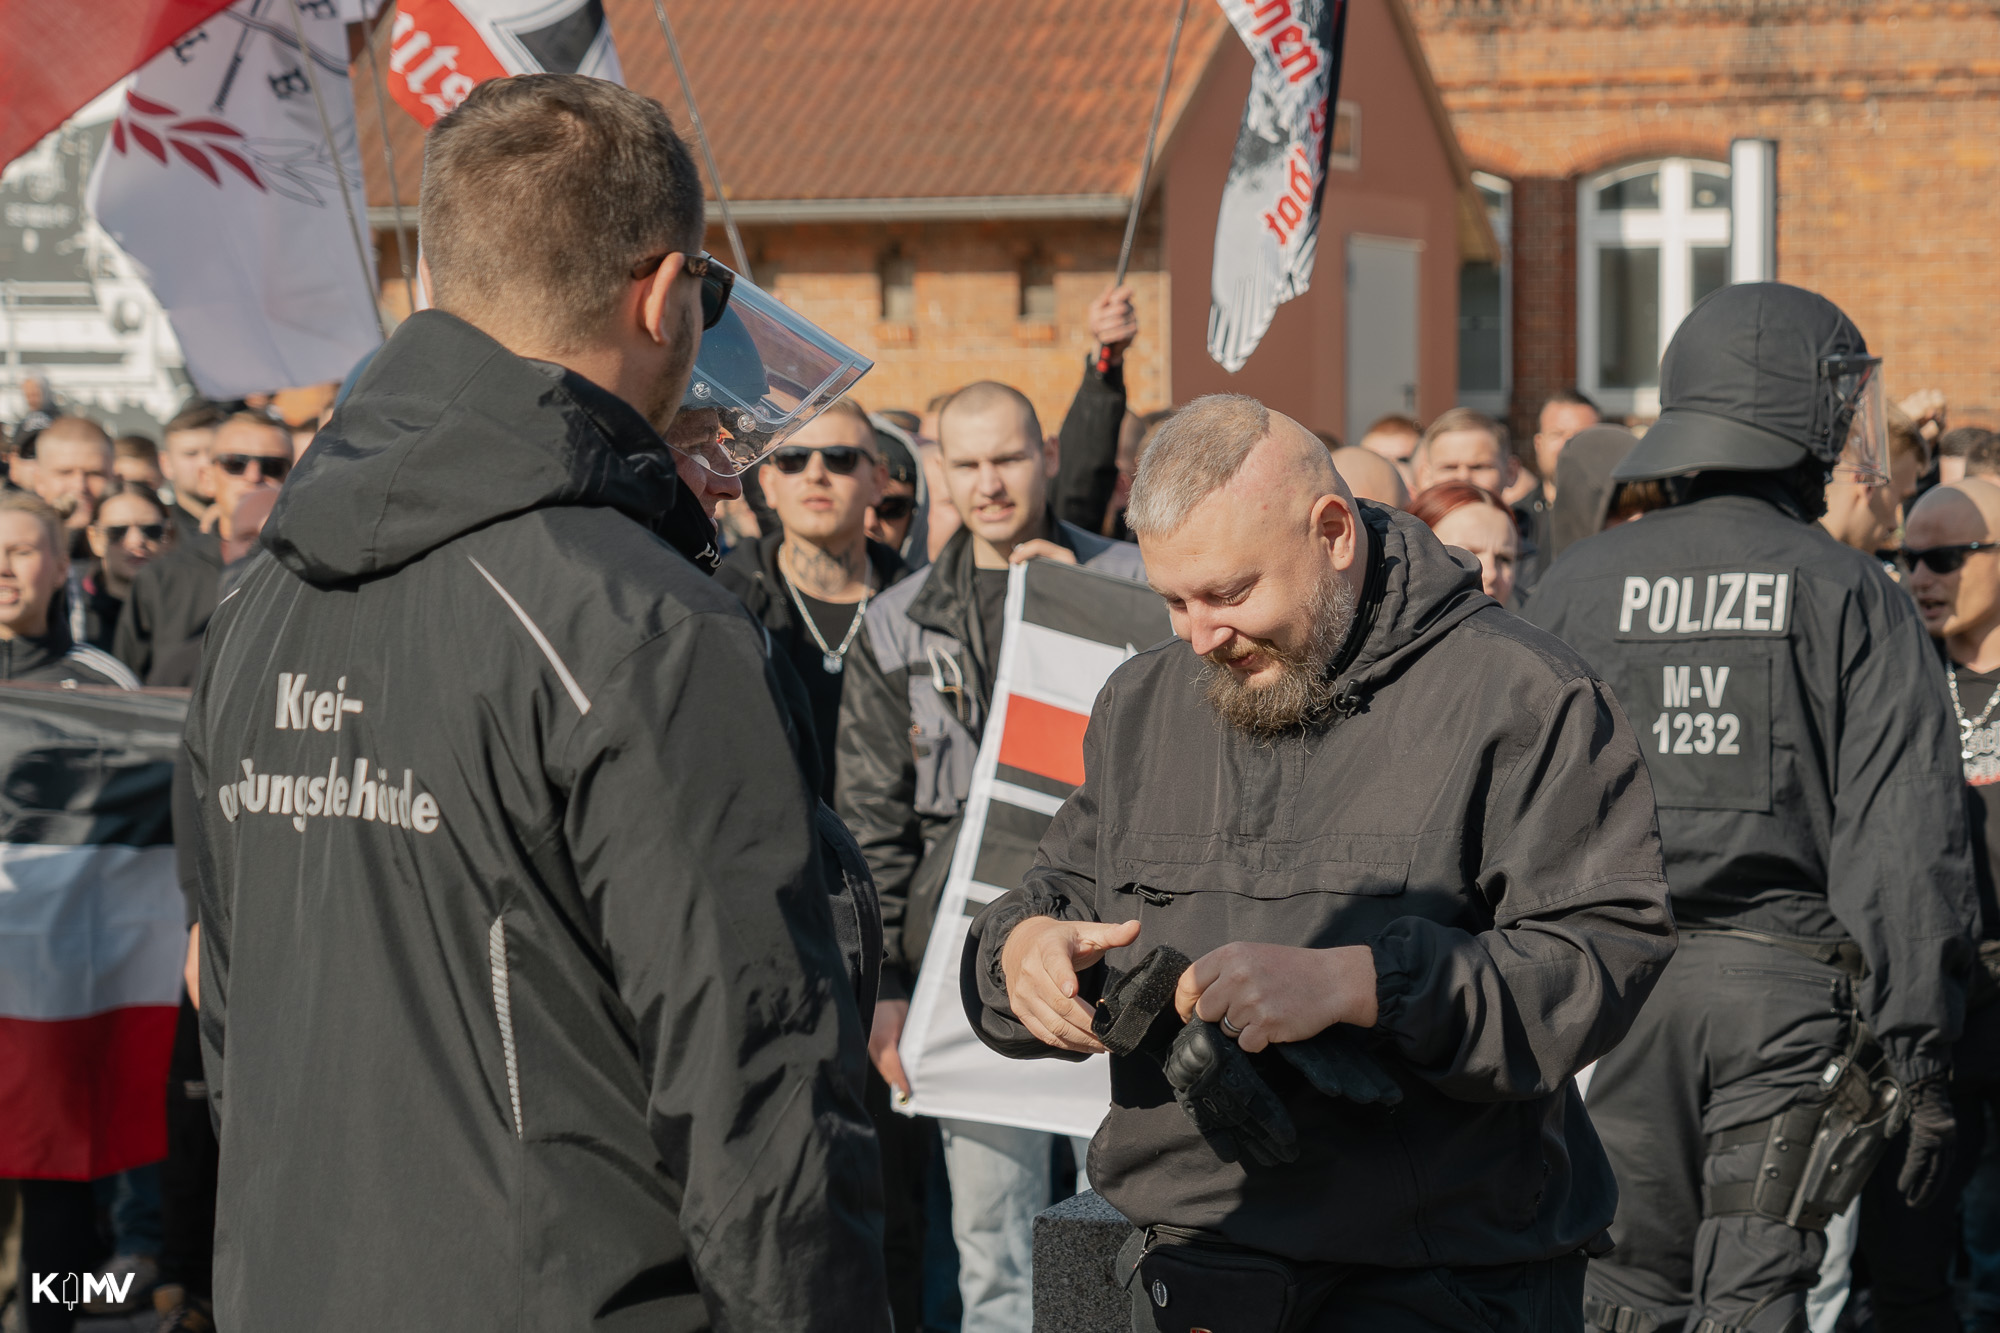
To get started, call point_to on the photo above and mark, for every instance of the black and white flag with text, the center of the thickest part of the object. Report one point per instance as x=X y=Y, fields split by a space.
x=1268 y=228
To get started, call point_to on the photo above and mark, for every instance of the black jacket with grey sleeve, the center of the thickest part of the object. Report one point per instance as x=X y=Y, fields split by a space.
x=521 y=1002
x=1800 y=738
x=912 y=711
x=1477 y=813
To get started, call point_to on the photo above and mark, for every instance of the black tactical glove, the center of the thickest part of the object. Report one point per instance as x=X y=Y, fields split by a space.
x=1228 y=1100
x=1134 y=1000
x=1933 y=1142
x=1341 y=1069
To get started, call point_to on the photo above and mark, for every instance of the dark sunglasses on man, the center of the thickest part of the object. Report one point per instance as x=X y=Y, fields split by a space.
x=894 y=508
x=840 y=459
x=716 y=281
x=1938 y=559
x=152 y=532
x=271 y=467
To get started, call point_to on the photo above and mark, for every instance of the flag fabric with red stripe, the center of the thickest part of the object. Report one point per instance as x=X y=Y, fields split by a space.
x=440 y=50
x=92 y=929
x=1067 y=630
x=55 y=58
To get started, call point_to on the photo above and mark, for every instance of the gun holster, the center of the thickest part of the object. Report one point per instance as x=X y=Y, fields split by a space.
x=1818 y=1152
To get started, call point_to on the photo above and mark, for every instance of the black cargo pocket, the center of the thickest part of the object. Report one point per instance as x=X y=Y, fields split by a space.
x=1185 y=1280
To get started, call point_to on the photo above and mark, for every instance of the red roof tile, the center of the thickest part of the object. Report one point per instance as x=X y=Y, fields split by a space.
x=893 y=99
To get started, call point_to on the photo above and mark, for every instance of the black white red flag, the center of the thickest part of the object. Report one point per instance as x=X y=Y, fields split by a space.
x=1067 y=630
x=92 y=929
x=440 y=50
x=1268 y=229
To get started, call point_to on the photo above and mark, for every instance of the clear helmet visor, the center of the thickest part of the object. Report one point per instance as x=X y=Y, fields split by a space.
x=1860 y=417
x=767 y=370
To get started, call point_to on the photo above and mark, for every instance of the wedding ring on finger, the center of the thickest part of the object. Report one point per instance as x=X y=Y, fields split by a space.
x=1230 y=1027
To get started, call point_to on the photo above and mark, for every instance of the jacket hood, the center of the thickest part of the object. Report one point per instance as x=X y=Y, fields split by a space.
x=1415 y=593
x=1584 y=488
x=447 y=431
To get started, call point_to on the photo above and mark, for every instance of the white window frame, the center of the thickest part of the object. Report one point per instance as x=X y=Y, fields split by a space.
x=1496 y=402
x=1675 y=227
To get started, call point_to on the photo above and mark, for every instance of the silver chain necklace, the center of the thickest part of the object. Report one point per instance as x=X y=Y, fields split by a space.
x=1967 y=726
x=832 y=660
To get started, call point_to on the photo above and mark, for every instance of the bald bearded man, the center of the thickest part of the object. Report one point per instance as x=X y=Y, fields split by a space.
x=1361 y=872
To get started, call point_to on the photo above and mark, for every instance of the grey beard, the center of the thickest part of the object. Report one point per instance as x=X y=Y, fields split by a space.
x=1303 y=693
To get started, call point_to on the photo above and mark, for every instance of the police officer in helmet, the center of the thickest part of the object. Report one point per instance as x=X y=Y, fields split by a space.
x=1804 y=760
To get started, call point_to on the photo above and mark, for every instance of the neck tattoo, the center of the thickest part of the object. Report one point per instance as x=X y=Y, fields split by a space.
x=831 y=576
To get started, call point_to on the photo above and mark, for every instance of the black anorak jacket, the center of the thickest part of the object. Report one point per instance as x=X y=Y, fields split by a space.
x=1479 y=815
x=521 y=1002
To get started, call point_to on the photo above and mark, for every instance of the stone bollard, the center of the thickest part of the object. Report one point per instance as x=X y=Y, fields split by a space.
x=1076 y=1244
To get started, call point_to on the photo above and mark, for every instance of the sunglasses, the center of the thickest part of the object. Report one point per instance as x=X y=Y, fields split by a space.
x=894 y=508
x=716 y=281
x=840 y=459
x=1938 y=559
x=152 y=532
x=271 y=468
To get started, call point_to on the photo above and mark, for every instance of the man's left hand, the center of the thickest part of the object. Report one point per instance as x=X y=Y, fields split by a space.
x=1041 y=548
x=1277 y=992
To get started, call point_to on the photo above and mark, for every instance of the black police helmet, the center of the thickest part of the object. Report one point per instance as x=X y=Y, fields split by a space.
x=1740 y=385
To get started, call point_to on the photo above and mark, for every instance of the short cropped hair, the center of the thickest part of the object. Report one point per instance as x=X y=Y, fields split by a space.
x=1570 y=396
x=542 y=192
x=197 y=414
x=81 y=429
x=27 y=502
x=1960 y=441
x=136 y=446
x=1981 y=450
x=1393 y=424
x=1191 y=457
x=1463 y=418
x=986 y=395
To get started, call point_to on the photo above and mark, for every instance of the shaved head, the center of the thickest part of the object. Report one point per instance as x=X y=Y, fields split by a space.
x=989 y=398
x=1255 y=542
x=1961 y=604
x=1371 y=476
x=1208 y=443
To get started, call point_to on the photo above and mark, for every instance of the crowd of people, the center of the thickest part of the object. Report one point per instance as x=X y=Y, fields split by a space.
x=872 y=548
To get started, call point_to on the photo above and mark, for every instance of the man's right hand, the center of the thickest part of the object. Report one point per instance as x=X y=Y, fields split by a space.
x=1114 y=322
x=884 y=1037
x=1040 y=961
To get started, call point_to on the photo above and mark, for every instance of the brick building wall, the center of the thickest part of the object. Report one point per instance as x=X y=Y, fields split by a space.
x=1887 y=120
x=966 y=319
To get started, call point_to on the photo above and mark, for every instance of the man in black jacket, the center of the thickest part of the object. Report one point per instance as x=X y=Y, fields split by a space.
x=1378 y=813
x=520 y=1000
x=1805 y=761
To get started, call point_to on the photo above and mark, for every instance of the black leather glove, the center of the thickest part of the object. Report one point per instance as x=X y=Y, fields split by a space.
x=1135 y=999
x=1228 y=1100
x=1339 y=1068
x=1933 y=1142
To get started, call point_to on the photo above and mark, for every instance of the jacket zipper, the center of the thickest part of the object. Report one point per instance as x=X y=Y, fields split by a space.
x=503 y=1010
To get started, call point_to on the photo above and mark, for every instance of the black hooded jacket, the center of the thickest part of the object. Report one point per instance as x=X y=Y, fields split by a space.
x=1480 y=817
x=521 y=1004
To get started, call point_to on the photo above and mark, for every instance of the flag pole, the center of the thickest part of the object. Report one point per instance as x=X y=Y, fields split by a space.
x=1152 y=138
x=701 y=134
x=339 y=168
x=376 y=78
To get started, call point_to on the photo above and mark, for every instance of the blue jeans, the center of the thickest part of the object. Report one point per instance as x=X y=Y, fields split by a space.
x=999 y=1181
x=133 y=1198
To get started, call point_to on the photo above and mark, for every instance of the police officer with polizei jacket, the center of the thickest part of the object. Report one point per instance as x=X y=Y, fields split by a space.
x=1805 y=763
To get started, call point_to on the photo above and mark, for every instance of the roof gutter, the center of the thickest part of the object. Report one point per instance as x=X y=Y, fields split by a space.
x=973 y=208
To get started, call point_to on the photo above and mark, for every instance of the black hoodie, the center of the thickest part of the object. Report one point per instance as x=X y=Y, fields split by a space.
x=1478 y=814
x=520 y=1004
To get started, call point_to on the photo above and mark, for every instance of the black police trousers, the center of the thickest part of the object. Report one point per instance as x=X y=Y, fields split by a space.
x=1736 y=1031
